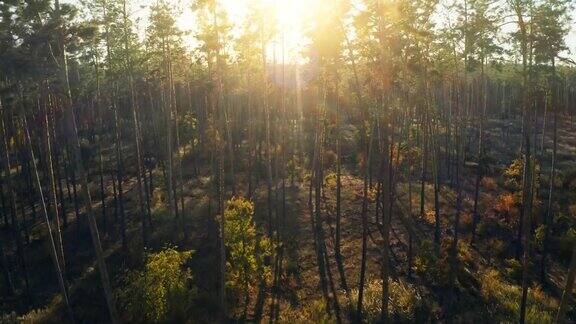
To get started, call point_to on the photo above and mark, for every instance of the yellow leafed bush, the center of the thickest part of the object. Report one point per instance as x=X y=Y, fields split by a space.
x=503 y=300
x=161 y=291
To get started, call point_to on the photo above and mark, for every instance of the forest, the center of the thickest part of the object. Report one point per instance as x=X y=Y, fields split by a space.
x=304 y=161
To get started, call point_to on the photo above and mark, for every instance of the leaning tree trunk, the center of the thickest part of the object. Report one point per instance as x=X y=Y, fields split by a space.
x=70 y=121
x=52 y=196
x=53 y=250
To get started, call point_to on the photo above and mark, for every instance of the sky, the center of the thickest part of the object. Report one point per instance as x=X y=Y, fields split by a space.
x=291 y=15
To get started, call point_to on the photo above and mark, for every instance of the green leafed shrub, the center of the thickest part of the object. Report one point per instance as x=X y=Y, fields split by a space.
x=331 y=180
x=503 y=301
x=425 y=258
x=246 y=249
x=161 y=291
x=404 y=306
x=513 y=175
x=443 y=267
x=513 y=269
x=314 y=312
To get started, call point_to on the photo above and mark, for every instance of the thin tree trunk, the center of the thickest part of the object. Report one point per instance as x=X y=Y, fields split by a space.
x=120 y=179
x=364 y=215
x=75 y=144
x=133 y=105
x=14 y=217
x=480 y=161
x=337 y=249
x=53 y=250
x=549 y=213
x=568 y=288
x=53 y=198
x=386 y=218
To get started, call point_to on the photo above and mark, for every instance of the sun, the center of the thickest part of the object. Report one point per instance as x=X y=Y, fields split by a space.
x=290 y=18
x=291 y=23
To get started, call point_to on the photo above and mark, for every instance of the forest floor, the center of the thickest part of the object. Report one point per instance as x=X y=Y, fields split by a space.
x=299 y=286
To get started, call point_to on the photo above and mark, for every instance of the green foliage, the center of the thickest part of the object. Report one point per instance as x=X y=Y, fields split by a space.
x=442 y=267
x=188 y=125
x=496 y=247
x=161 y=291
x=246 y=249
x=513 y=175
x=425 y=258
x=406 y=302
x=52 y=313
x=539 y=235
x=503 y=301
x=551 y=21
x=330 y=180
x=513 y=269
x=314 y=312
x=34 y=316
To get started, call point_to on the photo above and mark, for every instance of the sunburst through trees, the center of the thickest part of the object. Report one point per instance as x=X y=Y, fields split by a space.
x=324 y=161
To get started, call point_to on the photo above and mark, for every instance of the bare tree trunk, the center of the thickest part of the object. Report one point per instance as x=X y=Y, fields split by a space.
x=410 y=214
x=52 y=196
x=75 y=196
x=6 y=272
x=528 y=168
x=548 y=218
x=317 y=215
x=480 y=161
x=424 y=163
x=53 y=250
x=568 y=288
x=133 y=105
x=14 y=217
x=364 y=214
x=436 y=170
x=70 y=122
x=120 y=179
x=337 y=250
x=386 y=218
x=454 y=246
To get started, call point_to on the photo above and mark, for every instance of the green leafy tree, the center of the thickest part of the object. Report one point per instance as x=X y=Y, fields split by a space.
x=161 y=291
x=246 y=248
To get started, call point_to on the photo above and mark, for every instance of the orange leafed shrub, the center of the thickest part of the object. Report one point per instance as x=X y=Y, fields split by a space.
x=430 y=217
x=507 y=206
x=506 y=203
